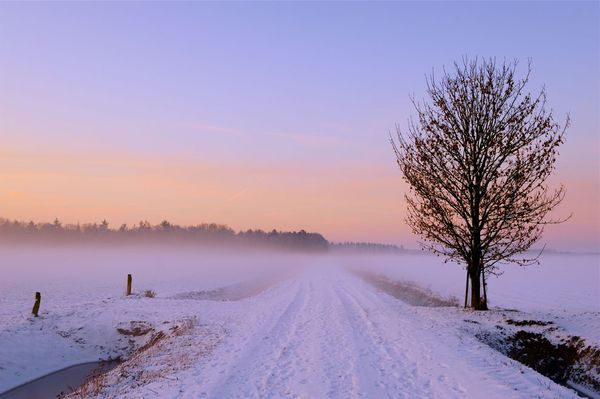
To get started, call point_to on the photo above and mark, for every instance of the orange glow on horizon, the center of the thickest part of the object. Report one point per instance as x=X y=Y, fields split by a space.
x=343 y=202
x=360 y=201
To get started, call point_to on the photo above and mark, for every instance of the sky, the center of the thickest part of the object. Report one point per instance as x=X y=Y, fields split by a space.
x=266 y=115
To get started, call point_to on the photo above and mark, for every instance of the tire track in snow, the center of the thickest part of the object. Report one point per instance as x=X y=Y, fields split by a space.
x=308 y=352
x=254 y=372
x=312 y=356
x=389 y=371
x=281 y=366
x=401 y=354
x=336 y=353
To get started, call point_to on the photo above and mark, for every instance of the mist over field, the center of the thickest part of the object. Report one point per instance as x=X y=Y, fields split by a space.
x=66 y=273
x=328 y=200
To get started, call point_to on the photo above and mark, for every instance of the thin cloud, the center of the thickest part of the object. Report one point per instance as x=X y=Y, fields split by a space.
x=308 y=140
x=211 y=128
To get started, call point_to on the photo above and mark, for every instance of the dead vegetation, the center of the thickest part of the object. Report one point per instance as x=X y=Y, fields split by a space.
x=528 y=322
x=92 y=386
x=406 y=291
x=565 y=359
x=536 y=351
x=570 y=360
x=234 y=292
x=160 y=353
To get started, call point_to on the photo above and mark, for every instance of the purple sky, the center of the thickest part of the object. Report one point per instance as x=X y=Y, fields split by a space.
x=269 y=115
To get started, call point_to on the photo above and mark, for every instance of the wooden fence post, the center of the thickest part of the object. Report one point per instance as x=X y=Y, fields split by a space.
x=129 y=284
x=36 y=304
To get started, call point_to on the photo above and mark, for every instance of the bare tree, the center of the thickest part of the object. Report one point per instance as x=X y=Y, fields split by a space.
x=477 y=160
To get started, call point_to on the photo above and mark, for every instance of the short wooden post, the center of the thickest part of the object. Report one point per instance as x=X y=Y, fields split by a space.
x=129 y=284
x=36 y=304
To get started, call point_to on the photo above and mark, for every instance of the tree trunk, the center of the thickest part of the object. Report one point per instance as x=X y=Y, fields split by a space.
x=476 y=264
x=475 y=289
x=467 y=288
x=476 y=301
x=484 y=287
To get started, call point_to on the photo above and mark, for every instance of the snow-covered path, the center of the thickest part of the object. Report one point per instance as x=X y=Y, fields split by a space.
x=320 y=333
x=331 y=335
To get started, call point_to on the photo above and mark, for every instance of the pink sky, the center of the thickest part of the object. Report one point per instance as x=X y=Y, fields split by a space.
x=265 y=115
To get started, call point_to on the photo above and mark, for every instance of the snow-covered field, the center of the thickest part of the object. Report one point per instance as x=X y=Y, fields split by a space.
x=559 y=282
x=318 y=331
x=76 y=276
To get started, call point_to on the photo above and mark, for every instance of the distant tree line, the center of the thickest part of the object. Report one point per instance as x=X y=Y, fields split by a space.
x=366 y=247
x=164 y=232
